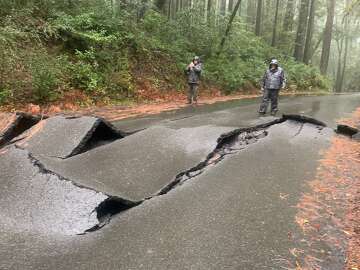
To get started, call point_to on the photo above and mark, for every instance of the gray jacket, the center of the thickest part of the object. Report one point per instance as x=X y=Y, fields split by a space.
x=274 y=79
x=194 y=74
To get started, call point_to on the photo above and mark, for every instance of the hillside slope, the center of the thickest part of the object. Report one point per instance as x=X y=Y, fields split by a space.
x=91 y=53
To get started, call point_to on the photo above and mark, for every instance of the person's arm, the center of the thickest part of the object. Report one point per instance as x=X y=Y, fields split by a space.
x=191 y=66
x=198 y=68
x=188 y=68
x=283 y=80
x=263 y=81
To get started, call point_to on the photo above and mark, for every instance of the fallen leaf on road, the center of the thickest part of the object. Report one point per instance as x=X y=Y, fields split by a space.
x=284 y=196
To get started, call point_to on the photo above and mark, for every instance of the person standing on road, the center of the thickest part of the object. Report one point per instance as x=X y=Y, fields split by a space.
x=272 y=82
x=193 y=72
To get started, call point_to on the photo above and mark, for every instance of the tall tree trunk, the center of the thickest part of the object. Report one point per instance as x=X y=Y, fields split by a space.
x=301 y=30
x=169 y=10
x=251 y=13
x=313 y=51
x=309 y=32
x=289 y=16
x=273 y=42
x=209 y=12
x=325 y=53
x=346 y=29
x=209 y=9
x=340 y=45
x=230 y=6
x=223 y=7
x=240 y=9
x=258 y=18
x=160 y=4
x=228 y=28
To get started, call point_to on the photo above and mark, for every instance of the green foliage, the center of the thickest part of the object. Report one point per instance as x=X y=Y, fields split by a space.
x=45 y=79
x=49 y=47
x=5 y=94
x=305 y=77
x=84 y=75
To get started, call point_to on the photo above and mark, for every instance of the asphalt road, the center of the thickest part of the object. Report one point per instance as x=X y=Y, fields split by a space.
x=235 y=213
x=243 y=112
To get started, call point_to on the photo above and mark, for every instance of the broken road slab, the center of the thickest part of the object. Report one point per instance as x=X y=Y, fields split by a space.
x=12 y=125
x=230 y=217
x=63 y=137
x=139 y=166
x=32 y=200
x=237 y=212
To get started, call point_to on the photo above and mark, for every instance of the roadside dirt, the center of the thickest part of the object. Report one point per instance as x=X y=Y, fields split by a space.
x=329 y=213
x=165 y=102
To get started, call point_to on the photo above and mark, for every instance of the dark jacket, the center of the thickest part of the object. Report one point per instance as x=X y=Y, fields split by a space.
x=194 y=74
x=274 y=79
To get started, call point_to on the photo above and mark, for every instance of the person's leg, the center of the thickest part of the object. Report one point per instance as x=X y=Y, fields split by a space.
x=265 y=102
x=195 y=93
x=190 y=93
x=274 y=101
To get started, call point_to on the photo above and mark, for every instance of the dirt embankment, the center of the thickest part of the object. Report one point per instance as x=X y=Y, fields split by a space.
x=153 y=104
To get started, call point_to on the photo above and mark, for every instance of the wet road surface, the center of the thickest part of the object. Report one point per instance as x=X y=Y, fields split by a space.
x=242 y=112
x=193 y=201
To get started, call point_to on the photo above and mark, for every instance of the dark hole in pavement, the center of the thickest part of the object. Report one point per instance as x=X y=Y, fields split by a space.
x=109 y=208
x=102 y=133
x=20 y=125
x=346 y=130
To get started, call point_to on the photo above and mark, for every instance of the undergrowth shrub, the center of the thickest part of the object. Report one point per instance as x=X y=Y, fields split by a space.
x=104 y=52
x=46 y=75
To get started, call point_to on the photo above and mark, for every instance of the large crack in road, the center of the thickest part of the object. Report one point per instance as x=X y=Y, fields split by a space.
x=105 y=206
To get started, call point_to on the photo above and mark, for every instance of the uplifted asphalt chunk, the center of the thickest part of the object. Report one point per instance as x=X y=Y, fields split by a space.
x=141 y=165
x=12 y=125
x=64 y=137
x=37 y=200
x=237 y=215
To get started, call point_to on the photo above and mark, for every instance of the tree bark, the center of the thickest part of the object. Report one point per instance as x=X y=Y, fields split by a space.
x=340 y=45
x=230 y=6
x=316 y=45
x=209 y=9
x=301 y=31
x=289 y=16
x=309 y=32
x=258 y=18
x=346 y=29
x=273 y=42
x=228 y=28
x=223 y=7
x=325 y=53
x=251 y=13
x=160 y=4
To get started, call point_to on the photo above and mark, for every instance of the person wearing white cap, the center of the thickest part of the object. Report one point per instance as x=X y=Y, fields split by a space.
x=273 y=80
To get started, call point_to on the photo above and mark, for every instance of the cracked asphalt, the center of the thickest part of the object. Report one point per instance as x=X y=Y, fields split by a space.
x=239 y=213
